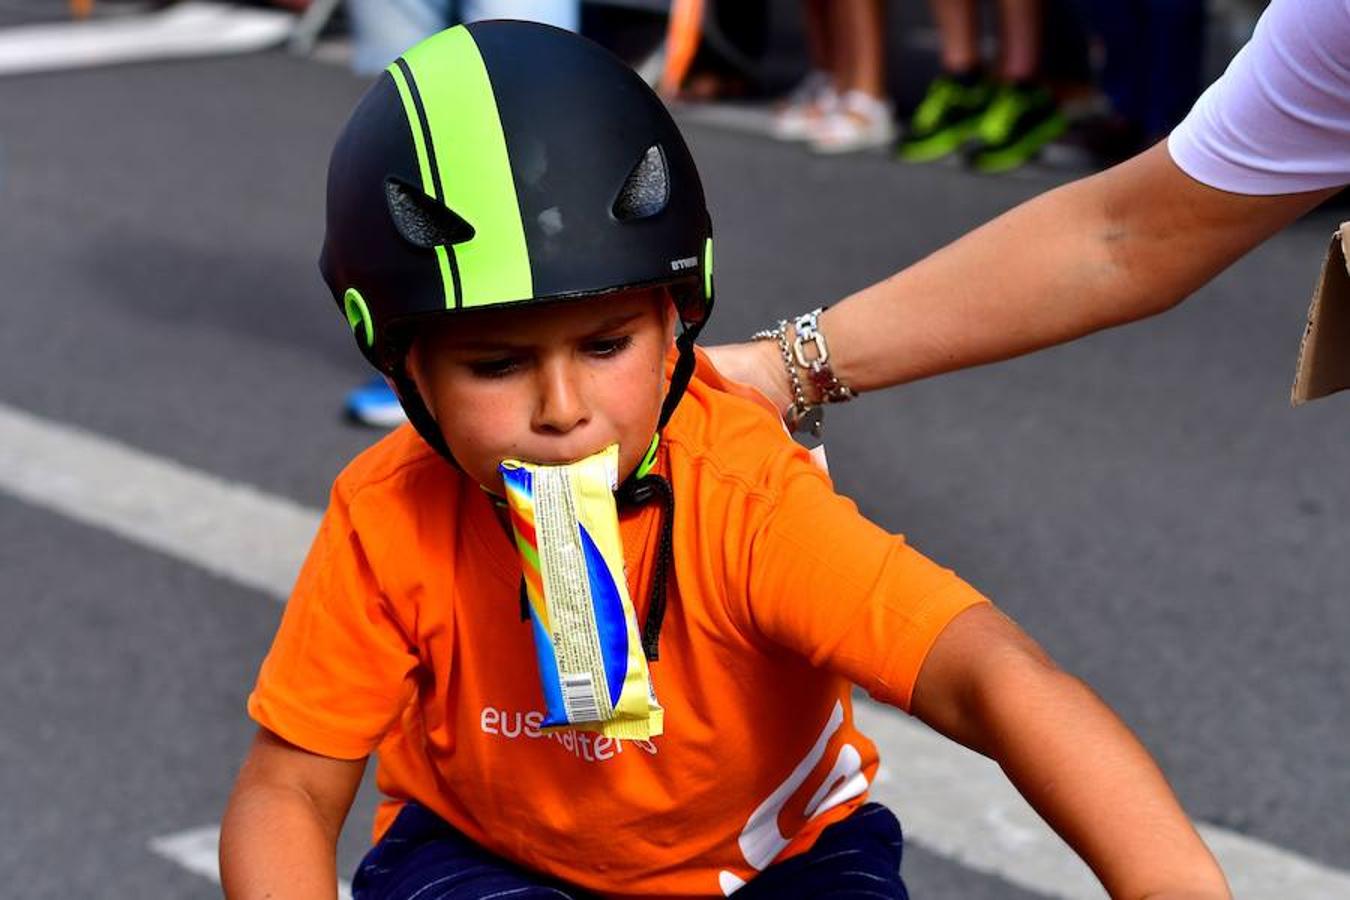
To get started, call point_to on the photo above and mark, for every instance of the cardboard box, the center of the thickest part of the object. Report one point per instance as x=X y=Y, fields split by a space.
x=1324 y=355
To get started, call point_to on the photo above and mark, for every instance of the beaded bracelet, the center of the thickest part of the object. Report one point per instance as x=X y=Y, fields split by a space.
x=830 y=388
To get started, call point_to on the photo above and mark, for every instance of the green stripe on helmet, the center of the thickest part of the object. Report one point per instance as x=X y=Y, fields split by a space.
x=707 y=269
x=475 y=168
x=424 y=168
x=414 y=125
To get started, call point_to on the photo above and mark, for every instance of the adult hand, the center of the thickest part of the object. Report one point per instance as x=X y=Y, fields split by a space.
x=758 y=364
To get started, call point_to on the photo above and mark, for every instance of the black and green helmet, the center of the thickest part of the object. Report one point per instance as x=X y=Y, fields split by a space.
x=504 y=164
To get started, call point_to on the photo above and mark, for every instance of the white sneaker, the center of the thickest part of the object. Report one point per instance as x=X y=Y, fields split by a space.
x=859 y=122
x=809 y=103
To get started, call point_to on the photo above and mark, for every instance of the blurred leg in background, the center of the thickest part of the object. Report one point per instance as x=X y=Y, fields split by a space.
x=1152 y=68
x=959 y=96
x=558 y=13
x=727 y=64
x=382 y=29
x=814 y=97
x=862 y=118
x=841 y=106
x=1023 y=116
x=1001 y=116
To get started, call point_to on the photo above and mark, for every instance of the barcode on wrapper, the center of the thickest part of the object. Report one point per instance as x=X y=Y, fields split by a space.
x=578 y=694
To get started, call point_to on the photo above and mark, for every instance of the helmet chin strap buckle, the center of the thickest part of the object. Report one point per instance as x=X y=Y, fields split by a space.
x=648 y=458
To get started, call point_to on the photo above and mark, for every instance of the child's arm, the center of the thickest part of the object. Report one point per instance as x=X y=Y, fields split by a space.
x=987 y=685
x=279 y=835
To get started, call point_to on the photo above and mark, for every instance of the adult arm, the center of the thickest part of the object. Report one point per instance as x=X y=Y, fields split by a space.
x=1111 y=248
x=279 y=835
x=987 y=685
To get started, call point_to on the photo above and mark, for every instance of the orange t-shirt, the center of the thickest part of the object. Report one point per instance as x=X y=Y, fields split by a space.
x=404 y=635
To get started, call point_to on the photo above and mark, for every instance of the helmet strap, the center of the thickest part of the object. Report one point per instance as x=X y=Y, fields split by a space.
x=418 y=414
x=679 y=382
x=683 y=371
x=639 y=491
x=644 y=486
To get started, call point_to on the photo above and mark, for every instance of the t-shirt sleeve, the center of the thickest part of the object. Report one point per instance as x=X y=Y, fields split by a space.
x=341 y=666
x=1278 y=120
x=832 y=586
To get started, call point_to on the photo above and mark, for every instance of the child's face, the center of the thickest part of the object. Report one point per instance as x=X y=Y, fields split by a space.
x=549 y=384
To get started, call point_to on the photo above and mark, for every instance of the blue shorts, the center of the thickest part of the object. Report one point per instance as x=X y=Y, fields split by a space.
x=421 y=857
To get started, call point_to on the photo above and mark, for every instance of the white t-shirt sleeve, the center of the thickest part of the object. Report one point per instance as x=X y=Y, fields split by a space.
x=1278 y=120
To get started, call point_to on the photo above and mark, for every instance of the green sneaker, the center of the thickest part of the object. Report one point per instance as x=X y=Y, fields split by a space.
x=1018 y=123
x=944 y=119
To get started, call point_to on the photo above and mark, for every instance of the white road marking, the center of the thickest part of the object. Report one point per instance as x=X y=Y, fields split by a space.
x=958 y=804
x=227 y=528
x=191 y=28
x=197 y=851
x=951 y=801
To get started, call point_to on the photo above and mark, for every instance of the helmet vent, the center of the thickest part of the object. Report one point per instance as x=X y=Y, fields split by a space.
x=647 y=189
x=421 y=220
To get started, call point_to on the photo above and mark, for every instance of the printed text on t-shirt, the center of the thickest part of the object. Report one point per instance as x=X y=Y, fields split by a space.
x=581 y=744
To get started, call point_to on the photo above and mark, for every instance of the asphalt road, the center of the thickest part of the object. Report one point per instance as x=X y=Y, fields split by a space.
x=1144 y=501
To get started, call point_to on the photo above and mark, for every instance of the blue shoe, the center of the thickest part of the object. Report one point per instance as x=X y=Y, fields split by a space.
x=375 y=404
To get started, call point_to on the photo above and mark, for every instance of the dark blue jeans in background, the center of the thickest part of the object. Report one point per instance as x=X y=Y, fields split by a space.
x=1155 y=51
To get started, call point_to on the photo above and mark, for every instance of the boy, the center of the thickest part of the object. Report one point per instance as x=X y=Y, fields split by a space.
x=514 y=227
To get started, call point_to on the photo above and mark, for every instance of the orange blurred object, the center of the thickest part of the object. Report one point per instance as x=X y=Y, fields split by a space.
x=81 y=9
x=682 y=40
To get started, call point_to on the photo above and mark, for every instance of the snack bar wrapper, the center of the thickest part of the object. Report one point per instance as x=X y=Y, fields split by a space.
x=591 y=662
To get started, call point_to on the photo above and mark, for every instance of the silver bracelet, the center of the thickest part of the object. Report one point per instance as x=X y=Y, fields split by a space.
x=801 y=415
